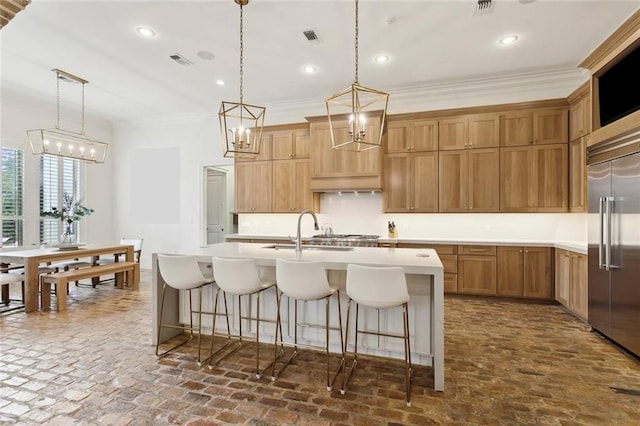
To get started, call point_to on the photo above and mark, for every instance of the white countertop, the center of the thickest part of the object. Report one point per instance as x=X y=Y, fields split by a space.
x=422 y=261
x=575 y=246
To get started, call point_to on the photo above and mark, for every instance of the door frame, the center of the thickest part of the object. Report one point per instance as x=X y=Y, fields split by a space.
x=227 y=170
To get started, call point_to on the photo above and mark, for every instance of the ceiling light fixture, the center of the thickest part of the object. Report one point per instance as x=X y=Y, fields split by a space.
x=241 y=124
x=220 y=82
x=64 y=143
x=505 y=41
x=381 y=59
x=354 y=104
x=145 y=32
x=310 y=69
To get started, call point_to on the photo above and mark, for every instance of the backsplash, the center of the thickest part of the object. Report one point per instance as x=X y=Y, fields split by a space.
x=360 y=213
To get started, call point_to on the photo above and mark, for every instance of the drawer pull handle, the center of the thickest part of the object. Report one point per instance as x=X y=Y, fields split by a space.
x=478 y=250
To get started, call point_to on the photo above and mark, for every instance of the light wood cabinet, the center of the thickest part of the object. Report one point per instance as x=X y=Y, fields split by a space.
x=265 y=149
x=534 y=179
x=525 y=272
x=339 y=169
x=469 y=131
x=580 y=117
x=253 y=184
x=291 y=192
x=469 y=180
x=517 y=128
x=291 y=144
x=578 y=175
x=411 y=182
x=411 y=136
x=550 y=126
x=477 y=270
x=571 y=282
x=448 y=255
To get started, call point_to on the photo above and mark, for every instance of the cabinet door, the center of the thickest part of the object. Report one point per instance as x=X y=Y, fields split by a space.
x=262 y=186
x=264 y=153
x=517 y=128
x=424 y=182
x=284 y=184
x=578 y=119
x=282 y=145
x=550 y=178
x=563 y=276
x=550 y=125
x=578 y=297
x=398 y=136
x=484 y=180
x=510 y=271
x=477 y=275
x=578 y=175
x=397 y=183
x=453 y=183
x=484 y=130
x=537 y=273
x=301 y=144
x=424 y=135
x=244 y=178
x=453 y=133
x=515 y=179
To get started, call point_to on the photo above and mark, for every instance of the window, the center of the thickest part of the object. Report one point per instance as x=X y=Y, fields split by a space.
x=12 y=196
x=58 y=175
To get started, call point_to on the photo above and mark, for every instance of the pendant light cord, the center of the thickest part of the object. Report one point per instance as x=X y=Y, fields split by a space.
x=356 y=43
x=241 y=52
x=57 y=100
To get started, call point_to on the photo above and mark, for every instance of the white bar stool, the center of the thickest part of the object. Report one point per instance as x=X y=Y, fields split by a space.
x=182 y=273
x=305 y=281
x=238 y=277
x=379 y=288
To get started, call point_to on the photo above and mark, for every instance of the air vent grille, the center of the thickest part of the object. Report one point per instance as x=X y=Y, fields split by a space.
x=311 y=35
x=180 y=59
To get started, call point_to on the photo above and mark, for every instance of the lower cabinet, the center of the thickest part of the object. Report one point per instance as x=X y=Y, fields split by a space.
x=571 y=282
x=448 y=255
x=477 y=269
x=525 y=272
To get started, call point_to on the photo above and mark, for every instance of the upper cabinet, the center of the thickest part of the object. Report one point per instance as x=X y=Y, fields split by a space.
x=580 y=117
x=469 y=131
x=550 y=125
x=411 y=182
x=517 y=128
x=291 y=144
x=411 y=136
x=265 y=149
x=340 y=169
x=253 y=186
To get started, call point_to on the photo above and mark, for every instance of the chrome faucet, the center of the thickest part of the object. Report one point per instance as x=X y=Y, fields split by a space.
x=315 y=224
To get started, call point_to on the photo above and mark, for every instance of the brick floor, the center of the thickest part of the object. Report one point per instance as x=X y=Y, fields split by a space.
x=506 y=363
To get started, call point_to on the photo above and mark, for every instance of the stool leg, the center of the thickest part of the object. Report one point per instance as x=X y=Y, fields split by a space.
x=164 y=287
x=407 y=355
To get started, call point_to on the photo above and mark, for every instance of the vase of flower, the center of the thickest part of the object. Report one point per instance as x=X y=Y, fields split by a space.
x=70 y=212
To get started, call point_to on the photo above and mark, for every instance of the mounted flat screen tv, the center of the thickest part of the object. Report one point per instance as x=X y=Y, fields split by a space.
x=619 y=88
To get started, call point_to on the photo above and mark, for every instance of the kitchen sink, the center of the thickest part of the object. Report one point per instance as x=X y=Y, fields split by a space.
x=307 y=247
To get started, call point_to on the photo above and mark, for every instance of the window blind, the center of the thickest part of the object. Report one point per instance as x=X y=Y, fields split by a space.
x=12 y=196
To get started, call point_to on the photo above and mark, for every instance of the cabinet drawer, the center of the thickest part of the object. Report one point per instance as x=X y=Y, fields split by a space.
x=477 y=250
x=449 y=263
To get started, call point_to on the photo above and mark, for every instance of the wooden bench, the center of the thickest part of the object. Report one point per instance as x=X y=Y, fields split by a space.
x=61 y=280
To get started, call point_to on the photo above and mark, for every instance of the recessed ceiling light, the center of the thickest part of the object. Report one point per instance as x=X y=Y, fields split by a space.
x=310 y=69
x=145 y=32
x=381 y=59
x=206 y=55
x=505 y=41
x=220 y=82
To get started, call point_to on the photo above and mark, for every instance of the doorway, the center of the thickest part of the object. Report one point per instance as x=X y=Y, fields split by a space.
x=217 y=221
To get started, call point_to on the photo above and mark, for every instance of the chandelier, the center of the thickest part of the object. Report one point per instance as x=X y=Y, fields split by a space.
x=356 y=104
x=64 y=143
x=241 y=124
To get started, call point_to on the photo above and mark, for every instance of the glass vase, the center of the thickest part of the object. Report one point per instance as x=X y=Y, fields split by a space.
x=68 y=236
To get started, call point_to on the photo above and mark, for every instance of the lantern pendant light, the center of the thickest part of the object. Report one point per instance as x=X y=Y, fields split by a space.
x=358 y=105
x=241 y=124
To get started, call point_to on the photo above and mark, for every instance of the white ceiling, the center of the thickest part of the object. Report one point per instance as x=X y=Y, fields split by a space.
x=429 y=42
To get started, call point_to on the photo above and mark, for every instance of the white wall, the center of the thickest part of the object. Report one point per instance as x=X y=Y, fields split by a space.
x=362 y=214
x=19 y=113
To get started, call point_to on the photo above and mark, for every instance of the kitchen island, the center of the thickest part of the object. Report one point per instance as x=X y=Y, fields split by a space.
x=424 y=273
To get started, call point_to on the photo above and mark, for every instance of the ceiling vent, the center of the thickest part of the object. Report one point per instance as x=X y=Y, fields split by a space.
x=181 y=59
x=311 y=35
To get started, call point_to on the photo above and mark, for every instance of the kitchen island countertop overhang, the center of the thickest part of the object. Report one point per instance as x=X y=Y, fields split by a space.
x=423 y=268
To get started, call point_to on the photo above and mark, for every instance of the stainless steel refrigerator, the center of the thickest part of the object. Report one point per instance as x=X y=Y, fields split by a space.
x=613 y=185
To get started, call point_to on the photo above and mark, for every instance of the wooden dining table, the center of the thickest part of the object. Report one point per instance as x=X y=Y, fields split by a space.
x=33 y=258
